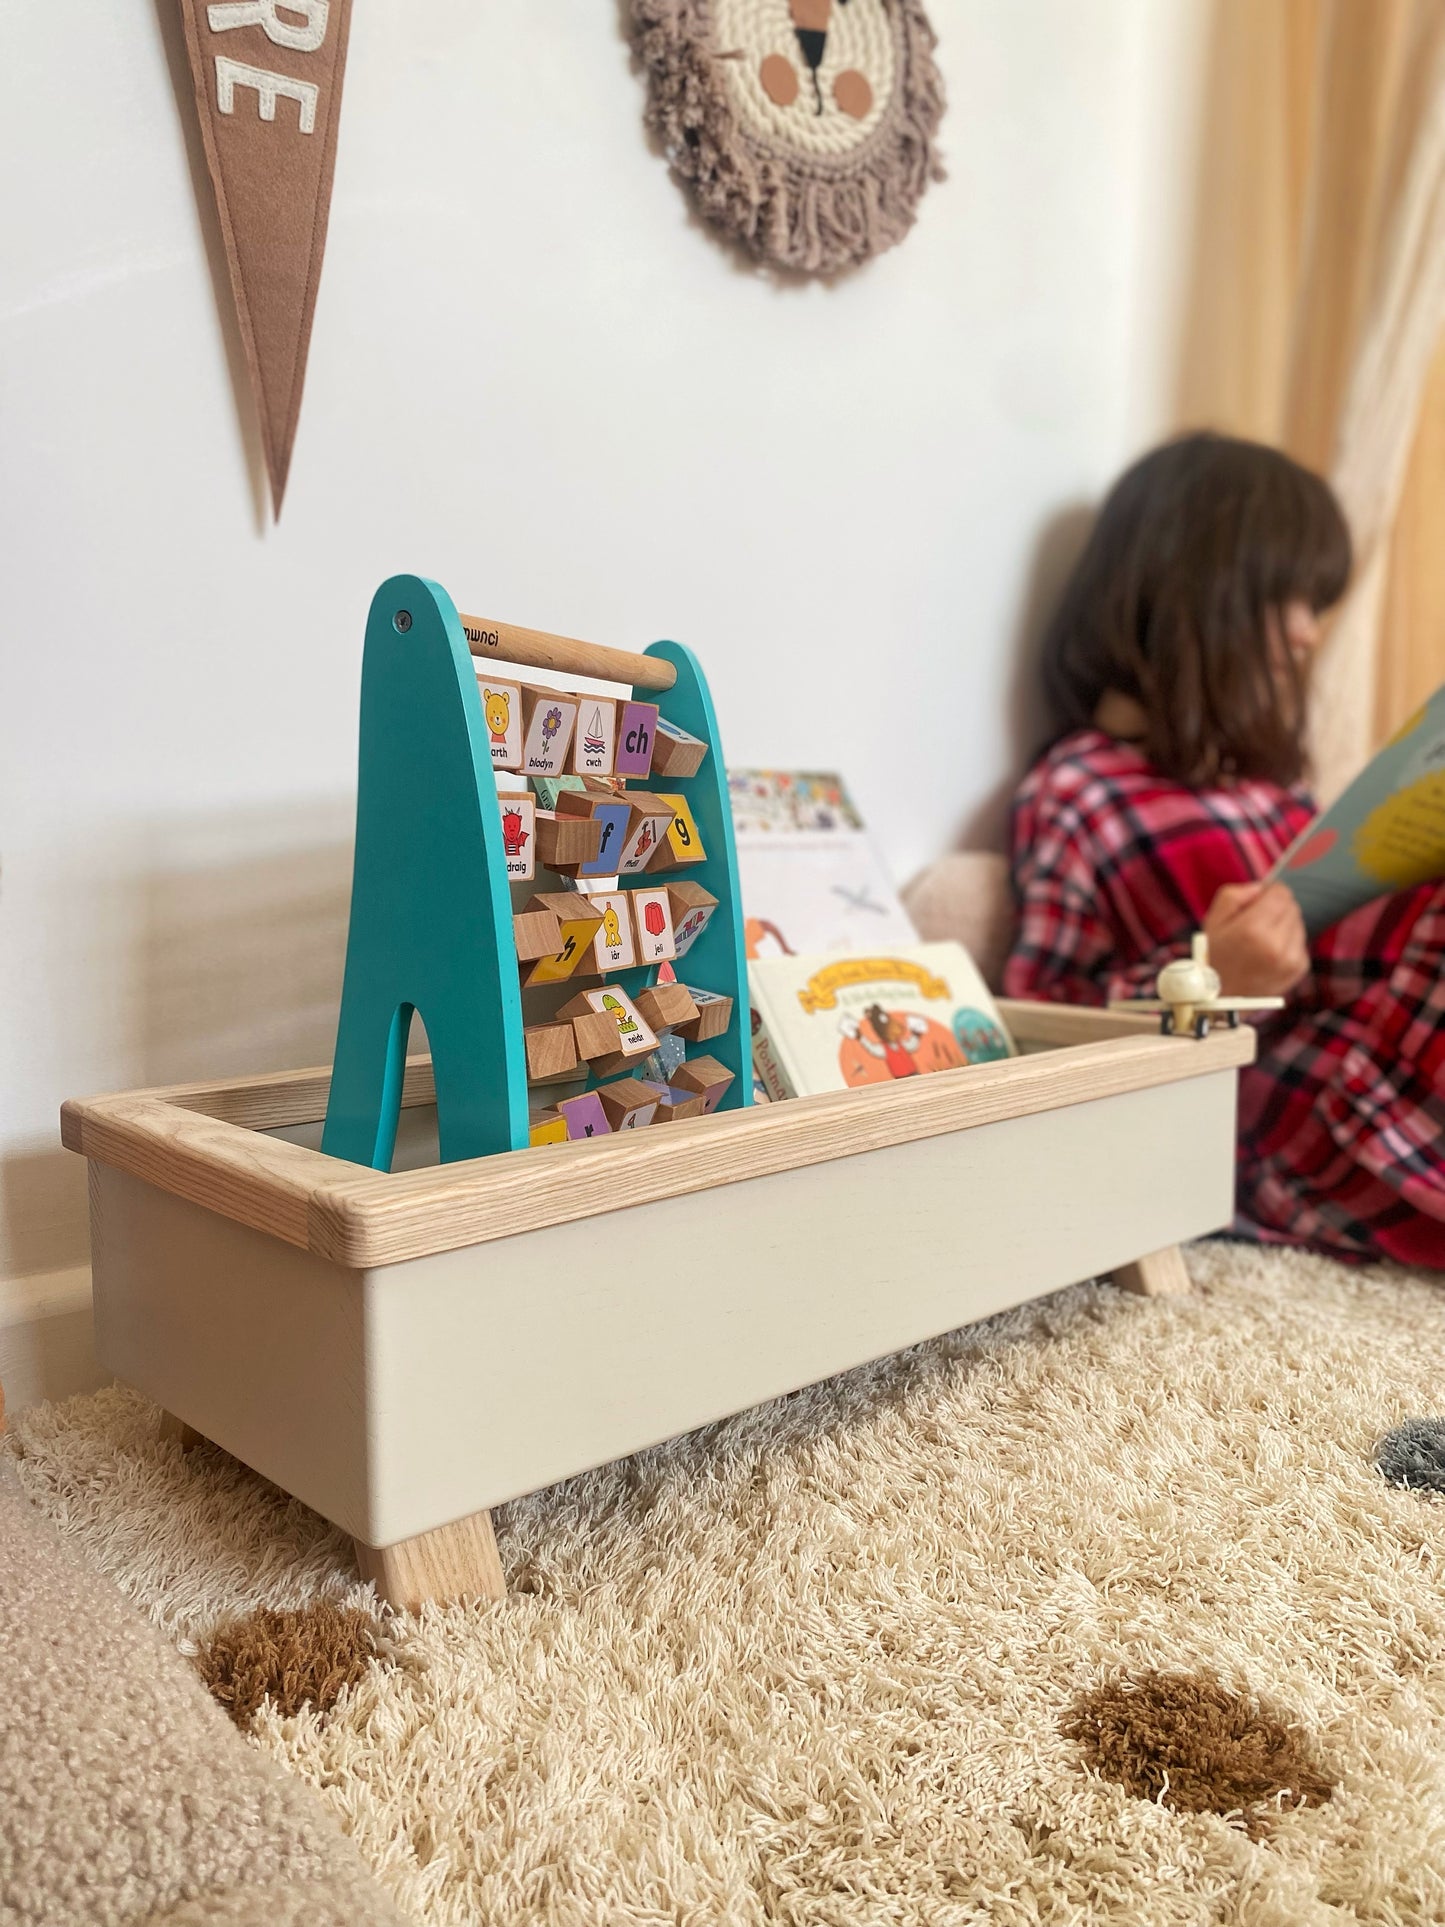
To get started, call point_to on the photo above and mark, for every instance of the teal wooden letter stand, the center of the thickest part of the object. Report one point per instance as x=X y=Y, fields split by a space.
x=431 y=909
x=428 y=897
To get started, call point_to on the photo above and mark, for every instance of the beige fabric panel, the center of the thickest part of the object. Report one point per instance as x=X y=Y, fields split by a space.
x=1412 y=643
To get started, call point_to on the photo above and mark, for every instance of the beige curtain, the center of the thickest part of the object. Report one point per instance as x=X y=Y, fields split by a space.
x=1412 y=636
x=1319 y=310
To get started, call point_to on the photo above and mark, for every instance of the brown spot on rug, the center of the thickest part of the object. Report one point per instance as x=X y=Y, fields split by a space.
x=294 y=1659
x=1188 y=1742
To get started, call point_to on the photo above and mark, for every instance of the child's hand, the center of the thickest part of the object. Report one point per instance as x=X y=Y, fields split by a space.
x=1257 y=940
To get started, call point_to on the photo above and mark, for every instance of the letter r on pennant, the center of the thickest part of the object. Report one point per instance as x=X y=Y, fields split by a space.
x=262 y=14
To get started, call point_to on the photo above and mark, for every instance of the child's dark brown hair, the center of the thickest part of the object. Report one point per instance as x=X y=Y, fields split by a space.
x=1171 y=600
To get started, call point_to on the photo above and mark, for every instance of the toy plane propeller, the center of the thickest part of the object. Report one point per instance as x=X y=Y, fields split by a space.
x=1188 y=996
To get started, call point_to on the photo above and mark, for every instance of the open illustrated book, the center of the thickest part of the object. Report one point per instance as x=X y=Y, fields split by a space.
x=1385 y=833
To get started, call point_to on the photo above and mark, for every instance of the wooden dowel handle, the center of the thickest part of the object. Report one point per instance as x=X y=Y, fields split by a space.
x=535 y=649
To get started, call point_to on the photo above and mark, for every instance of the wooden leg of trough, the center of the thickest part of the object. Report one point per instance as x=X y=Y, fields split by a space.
x=175 y=1428
x=459 y=1561
x=1160 y=1275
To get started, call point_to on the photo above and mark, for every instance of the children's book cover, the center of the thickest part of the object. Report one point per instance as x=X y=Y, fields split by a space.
x=832 y=1023
x=1385 y=833
x=810 y=875
x=791 y=799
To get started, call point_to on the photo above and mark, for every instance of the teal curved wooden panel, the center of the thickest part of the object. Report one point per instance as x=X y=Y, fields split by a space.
x=430 y=909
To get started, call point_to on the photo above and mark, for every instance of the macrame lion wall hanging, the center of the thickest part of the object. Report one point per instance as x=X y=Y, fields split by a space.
x=803 y=128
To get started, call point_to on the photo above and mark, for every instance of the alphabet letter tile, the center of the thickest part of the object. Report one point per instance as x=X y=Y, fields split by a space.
x=611 y=820
x=652 y=923
x=595 y=743
x=548 y=720
x=613 y=948
x=684 y=843
x=519 y=836
x=636 y=734
x=502 y=708
x=585 y=1116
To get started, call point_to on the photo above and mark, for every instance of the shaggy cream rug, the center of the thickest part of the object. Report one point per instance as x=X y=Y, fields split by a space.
x=977 y=1634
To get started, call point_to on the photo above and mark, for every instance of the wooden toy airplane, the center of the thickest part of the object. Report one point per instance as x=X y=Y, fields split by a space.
x=1188 y=995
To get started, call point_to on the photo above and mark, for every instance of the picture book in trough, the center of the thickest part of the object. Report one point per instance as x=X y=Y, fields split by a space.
x=831 y=1023
x=811 y=876
x=1385 y=833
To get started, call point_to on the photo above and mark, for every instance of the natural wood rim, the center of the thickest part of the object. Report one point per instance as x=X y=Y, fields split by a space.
x=270 y=1100
x=177 y=1139
x=493 y=641
x=1063 y=1024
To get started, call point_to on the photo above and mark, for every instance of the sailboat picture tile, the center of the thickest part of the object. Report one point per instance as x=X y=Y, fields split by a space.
x=594 y=745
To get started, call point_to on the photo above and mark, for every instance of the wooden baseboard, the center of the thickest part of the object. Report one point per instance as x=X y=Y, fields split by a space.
x=47 y=1338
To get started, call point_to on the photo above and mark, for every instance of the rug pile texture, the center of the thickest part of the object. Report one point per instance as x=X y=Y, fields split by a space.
x=1101 y=1611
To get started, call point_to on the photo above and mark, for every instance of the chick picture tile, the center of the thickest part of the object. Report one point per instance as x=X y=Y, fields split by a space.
x=634 y=1037
x=613 y=947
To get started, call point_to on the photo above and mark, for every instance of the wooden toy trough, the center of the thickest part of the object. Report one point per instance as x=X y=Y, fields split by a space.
x=405 y=1348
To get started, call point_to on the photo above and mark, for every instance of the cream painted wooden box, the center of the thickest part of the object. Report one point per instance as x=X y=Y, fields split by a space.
x=404 y=1350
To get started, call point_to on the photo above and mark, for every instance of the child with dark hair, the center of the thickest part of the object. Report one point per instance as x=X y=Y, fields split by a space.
x=1176 y=668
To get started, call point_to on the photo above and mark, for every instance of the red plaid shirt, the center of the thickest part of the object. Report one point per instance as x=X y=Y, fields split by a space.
x=1342 y=1119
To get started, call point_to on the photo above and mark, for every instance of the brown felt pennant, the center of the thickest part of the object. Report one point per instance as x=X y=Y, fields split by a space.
x=268 y=90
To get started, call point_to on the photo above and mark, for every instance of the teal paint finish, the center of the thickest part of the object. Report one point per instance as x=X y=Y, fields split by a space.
x=430 y=907
x=717 y=960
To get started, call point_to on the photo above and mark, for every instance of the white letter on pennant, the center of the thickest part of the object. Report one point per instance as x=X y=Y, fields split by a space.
x=231 y=74
x=262 y=13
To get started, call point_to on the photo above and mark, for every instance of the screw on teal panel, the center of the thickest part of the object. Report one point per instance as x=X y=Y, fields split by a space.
x=431 y=915
x=717 y=960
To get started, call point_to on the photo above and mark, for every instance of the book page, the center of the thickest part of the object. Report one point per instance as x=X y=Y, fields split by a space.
x=810 y=875
x=1385 y=833
x=811 y=890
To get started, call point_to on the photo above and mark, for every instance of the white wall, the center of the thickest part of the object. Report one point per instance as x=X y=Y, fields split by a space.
x=535 y=377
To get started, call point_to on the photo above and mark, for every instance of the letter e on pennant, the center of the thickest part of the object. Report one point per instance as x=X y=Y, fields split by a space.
x=231 y=74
